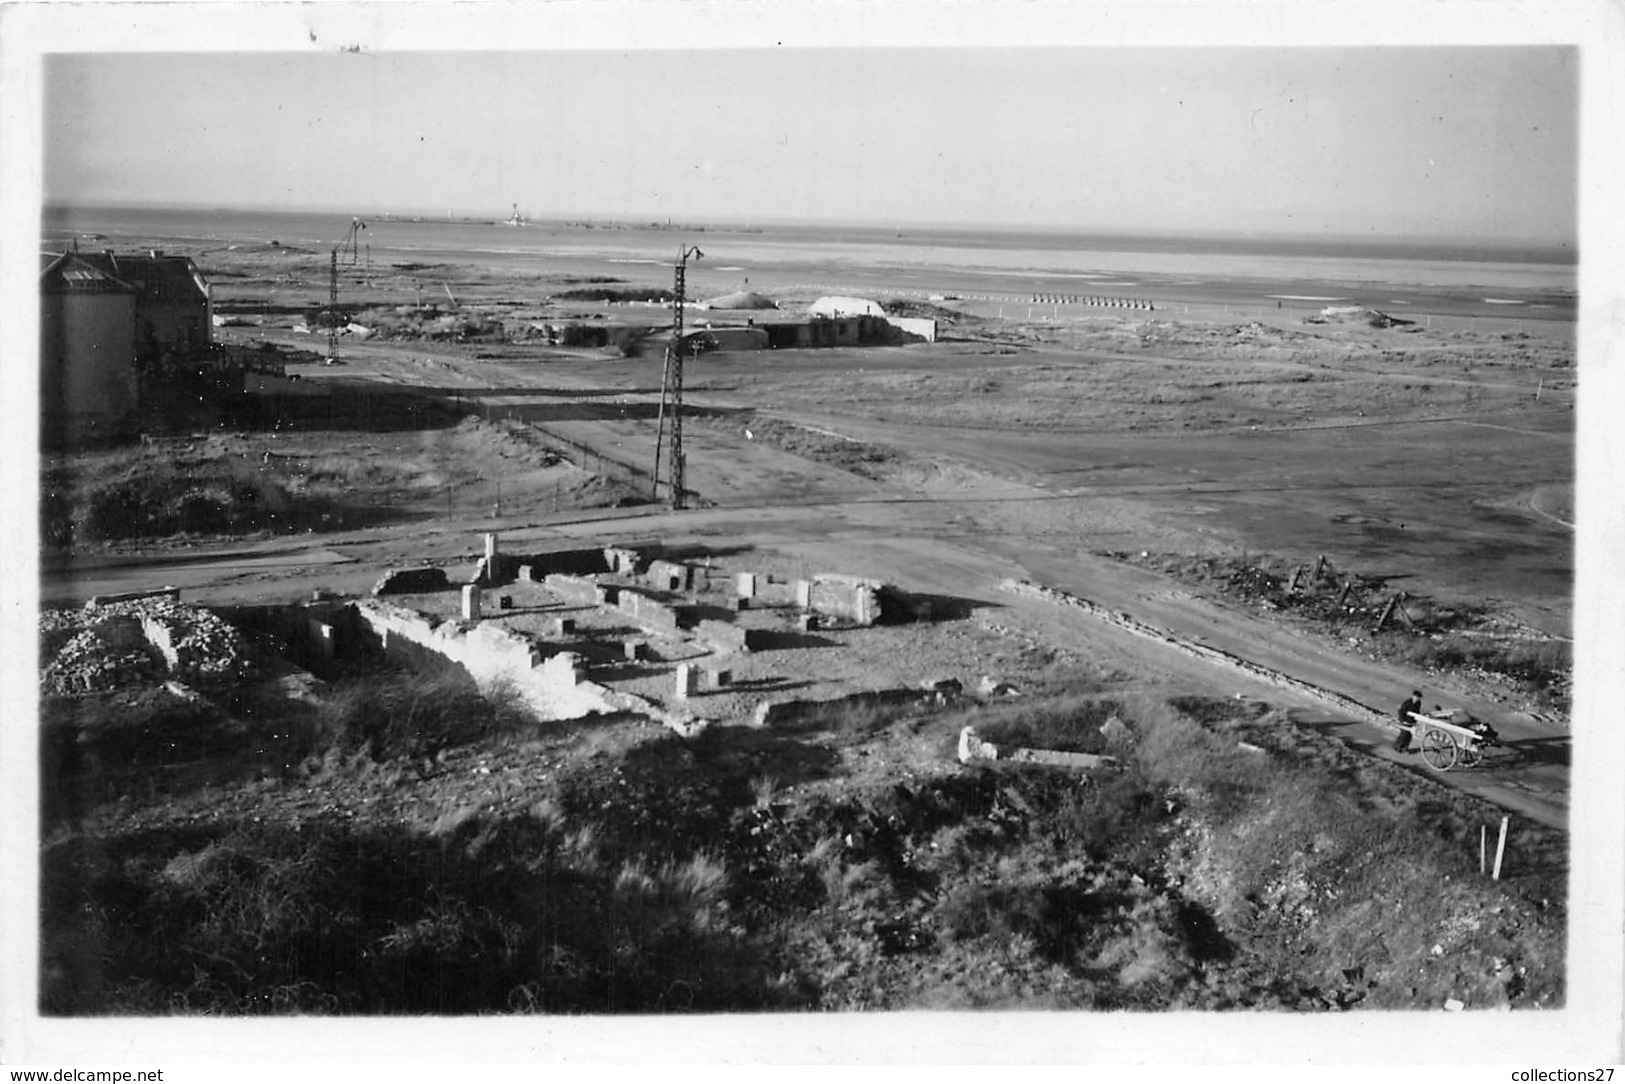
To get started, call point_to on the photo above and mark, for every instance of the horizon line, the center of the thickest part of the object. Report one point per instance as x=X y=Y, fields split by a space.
x=1409 y=239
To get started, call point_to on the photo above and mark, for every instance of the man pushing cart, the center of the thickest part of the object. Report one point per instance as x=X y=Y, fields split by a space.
x=1443 y=738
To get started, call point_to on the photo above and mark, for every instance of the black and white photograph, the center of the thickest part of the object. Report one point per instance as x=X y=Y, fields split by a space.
x=822 y=533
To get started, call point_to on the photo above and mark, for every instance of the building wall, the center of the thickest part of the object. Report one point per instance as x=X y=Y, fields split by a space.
x=180 y=327
x=87 y=365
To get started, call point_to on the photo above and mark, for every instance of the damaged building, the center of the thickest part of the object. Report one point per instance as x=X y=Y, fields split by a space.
x=105 y=319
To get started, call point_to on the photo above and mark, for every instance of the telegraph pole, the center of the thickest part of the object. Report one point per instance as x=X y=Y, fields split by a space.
x=671 y=389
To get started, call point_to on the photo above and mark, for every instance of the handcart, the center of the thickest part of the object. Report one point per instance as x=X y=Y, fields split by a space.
x=1448 y=740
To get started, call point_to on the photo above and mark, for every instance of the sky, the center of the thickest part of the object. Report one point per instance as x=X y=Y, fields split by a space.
x=1460 y=142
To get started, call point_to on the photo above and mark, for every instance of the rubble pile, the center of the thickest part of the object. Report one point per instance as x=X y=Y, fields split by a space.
x=90 y=662
x=105 y=647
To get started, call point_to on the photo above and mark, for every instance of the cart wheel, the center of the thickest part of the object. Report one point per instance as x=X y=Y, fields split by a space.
x=1439 y=750
x=1472 y=755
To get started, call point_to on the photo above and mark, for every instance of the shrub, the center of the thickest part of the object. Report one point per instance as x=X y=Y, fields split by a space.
x=409 y=716
x=1068 y=723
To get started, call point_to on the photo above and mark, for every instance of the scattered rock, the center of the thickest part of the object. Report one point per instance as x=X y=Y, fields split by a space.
x=990 y=687
x=972 y=748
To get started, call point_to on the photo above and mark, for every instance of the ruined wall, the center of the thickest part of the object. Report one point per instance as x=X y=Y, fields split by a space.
x=846 y=597
x=653 y=613
x=578 y=589
x=494 y=657
x=670 y=576
x=728 y=638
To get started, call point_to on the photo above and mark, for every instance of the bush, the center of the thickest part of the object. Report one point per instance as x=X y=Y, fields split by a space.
x=409 y=716
x=1069 y=724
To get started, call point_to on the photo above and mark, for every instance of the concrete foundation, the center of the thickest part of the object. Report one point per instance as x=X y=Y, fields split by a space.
x=651 y=612
x=471 y=602
x=846 y=597
x=745 y=585
x=578 y=589
x=722 y=636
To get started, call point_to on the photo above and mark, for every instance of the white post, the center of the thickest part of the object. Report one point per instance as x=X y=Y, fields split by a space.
x=1483 y=846
x=1500 y=847
x=1539 y=388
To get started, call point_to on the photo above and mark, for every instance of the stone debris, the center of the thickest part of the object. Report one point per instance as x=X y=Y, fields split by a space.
x=972 y=749
x=1115 y=731
x=105 y=647
x=1057 y=759
x=992 y=687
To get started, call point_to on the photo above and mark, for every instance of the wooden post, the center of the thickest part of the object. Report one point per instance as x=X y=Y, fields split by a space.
x=1539 y=388
x=1347 y=586
x=1320 y=565
x=1387 y=611
x=1500 y=848
x=1483 y=845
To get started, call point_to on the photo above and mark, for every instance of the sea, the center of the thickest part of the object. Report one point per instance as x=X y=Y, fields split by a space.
x=1409 y=276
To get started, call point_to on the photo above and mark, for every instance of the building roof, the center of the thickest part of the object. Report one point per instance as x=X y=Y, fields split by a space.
x=68 y=274
x=845 y=306
x=743 y=299
x=153 y=276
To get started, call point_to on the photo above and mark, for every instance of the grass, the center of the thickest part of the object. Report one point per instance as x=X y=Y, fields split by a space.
x=636 y=872
x=409 y=717
x=159 y=497
x=1068 y=723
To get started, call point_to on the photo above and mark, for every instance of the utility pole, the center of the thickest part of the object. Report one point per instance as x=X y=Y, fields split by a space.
x=671 y=389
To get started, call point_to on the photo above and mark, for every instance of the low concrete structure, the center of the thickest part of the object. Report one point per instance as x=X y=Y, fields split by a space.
x=670 y=576
x=653 y=613
x=849 y=598
x=972 y=750
x=688 y=681
x=471 y=602
x=727 y=638
x=552 y=687
x=581 y=589
x=411 y=581
x=1057 y=759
